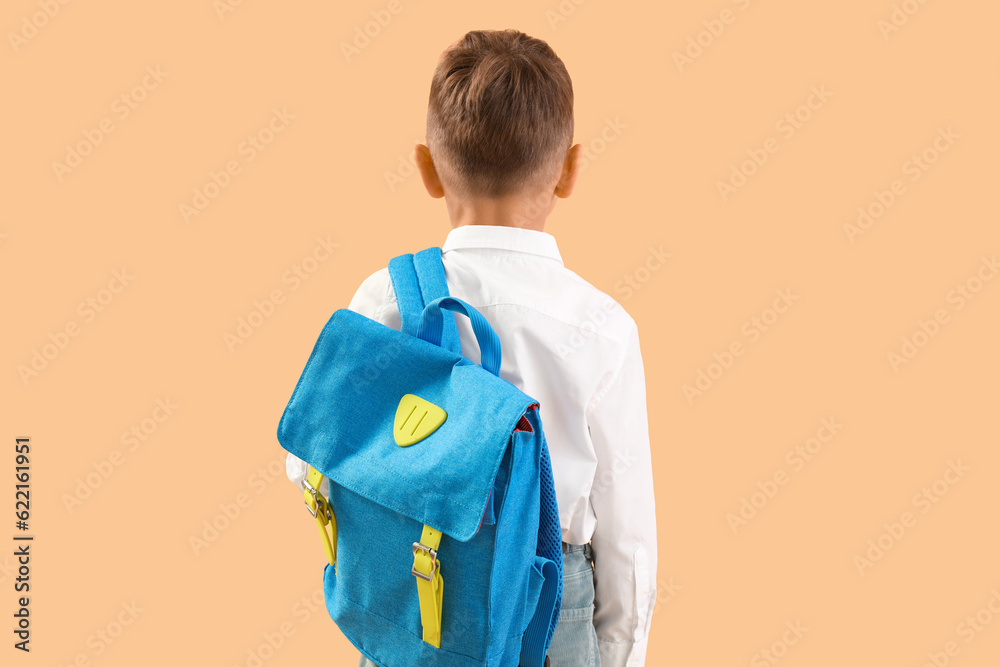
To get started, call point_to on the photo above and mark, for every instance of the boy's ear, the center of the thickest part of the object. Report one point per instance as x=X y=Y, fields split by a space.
x=427 y=171
x=571 y=167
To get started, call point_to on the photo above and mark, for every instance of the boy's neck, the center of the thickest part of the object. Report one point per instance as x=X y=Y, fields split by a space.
x=518 y=212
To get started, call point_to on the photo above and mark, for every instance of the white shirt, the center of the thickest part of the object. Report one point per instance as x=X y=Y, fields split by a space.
x=576 y=351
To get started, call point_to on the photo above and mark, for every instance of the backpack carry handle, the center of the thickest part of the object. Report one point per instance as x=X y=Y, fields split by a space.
x=431 y=326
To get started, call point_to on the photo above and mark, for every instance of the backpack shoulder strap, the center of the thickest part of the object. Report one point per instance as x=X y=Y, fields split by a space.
x=417 y=280
x=407 y=290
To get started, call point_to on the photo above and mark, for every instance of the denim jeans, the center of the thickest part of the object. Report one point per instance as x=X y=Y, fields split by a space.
x=574 y=642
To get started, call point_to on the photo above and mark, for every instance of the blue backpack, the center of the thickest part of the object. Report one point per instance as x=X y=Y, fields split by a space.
x=441 y=527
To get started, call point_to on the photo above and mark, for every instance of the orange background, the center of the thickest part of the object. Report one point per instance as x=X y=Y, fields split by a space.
x=726 y=595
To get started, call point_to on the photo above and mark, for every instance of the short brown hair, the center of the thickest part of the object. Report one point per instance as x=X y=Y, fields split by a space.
x=500 y=115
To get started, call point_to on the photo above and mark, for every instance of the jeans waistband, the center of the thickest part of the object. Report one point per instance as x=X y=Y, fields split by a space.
x=585 y=548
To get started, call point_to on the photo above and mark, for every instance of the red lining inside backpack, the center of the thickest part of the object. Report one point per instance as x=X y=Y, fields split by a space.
x=523 y=424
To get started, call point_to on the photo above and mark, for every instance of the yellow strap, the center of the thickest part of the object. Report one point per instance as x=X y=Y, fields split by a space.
x=430 y=585
x=320 y=508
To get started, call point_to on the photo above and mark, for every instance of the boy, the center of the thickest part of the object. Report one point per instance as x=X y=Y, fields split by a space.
x=499 y=129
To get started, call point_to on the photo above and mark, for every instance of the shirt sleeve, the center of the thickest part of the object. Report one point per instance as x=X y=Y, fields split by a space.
x=370 y=301
x=624 y=541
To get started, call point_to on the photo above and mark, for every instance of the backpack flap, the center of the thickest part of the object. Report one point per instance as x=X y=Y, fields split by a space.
x=342 y=417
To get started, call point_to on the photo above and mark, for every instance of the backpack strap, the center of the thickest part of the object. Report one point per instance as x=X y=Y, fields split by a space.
x=430 y=585
x=417 y=280
x=321 y=510
x=538 y=635
x=407 y=290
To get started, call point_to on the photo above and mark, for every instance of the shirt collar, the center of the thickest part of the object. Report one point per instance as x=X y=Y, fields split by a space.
x=500 y=237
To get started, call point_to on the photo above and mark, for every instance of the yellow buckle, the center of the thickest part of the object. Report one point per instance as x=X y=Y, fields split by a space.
x=321 y=510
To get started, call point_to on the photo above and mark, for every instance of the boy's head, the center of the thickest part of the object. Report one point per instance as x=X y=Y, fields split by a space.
x=499 y=120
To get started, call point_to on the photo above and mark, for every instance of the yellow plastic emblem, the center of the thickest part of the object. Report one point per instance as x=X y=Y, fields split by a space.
x=416 y=419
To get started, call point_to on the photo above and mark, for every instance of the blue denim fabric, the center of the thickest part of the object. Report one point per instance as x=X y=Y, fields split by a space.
x=574 y=643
